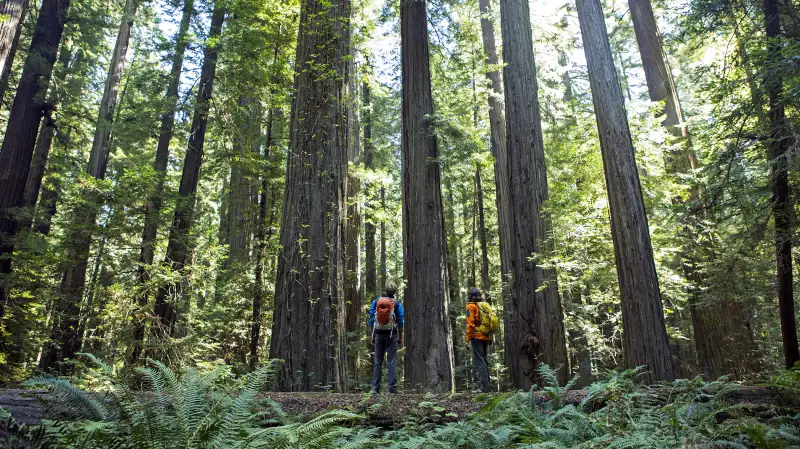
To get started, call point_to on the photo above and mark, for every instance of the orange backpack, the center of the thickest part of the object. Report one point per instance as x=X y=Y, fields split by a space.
x=384 y=314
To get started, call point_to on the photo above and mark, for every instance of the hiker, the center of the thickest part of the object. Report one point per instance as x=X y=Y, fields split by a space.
x=386 y=321
x=482 y=322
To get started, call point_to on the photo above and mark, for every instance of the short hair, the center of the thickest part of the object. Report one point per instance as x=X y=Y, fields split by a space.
x=390 y=289
x=474 y=293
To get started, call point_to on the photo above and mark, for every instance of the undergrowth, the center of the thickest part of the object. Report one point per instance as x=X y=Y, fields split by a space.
x=209 y=410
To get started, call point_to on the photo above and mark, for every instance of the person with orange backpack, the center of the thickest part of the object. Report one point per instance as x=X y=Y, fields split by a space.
x=482 y=323
x=386 y=319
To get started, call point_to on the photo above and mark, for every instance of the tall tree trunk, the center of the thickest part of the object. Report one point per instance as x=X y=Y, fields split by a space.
x=383 y=268
x=370 y=275
x=66 y=340
x=534 y=307
x=645 y=334
x=44 y=141
x=23 y=125
x=497 y=124
x=429 y=355
x=353 y=293
x=147 y=252
x=309 y=301
x=179 y=246
x=263 y=235
x=10 y=30
x=660 y=84
x=485 y=280
x=454 y=282
x=782 y=206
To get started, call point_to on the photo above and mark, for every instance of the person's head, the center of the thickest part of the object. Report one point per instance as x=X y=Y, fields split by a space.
x=390 y=290
x=474 y=295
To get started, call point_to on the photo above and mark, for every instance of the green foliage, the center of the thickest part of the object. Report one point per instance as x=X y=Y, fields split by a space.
x=788 y=381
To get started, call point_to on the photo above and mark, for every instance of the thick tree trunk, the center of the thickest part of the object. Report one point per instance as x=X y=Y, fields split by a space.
x=66 y=340
x=429 y=355
x=179 y=246
x=782 y=206
x=23 y=125
x=147 y=253
x=534 y=306
x=660 y=84
x=44 y=141
x=497 y=123
x=10 y=30
x=309 y=297
x=352 y=279
x=645 y=334
x=370 y=275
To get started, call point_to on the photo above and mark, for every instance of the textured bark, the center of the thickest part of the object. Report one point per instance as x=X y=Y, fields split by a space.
x=497 y=123
x=370 y=275
x=66 y=338
x=44 y=141
x=485 y=280
x=15 y=12
x=645 y=335
x=147 y=253
x=429 y=355
x=353 y=294
x=23 y=125
x=534 y=306
x=782 y=204
x=179 y=246
x=309 y=297
x=263 y=235
x=660 y=84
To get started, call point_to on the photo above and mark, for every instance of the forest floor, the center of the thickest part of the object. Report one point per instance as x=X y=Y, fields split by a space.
x=31 y=406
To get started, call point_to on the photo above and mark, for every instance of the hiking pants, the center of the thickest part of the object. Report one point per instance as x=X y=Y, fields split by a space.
x=385 y=345
x=480 y=349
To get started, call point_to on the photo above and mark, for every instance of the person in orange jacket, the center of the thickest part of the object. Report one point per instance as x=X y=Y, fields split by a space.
x=477 y=341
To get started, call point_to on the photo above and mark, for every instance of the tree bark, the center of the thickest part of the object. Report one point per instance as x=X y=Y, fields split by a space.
x=23 y=125
x=307 y=331
x=10 y=30
x=660 y=84
x=382 y=269
x=429 y=355
x=534 y=307
x=66 y=339
x=485 y=280
x=44 y=141
x=179 y=246
x=263 y=235
x=645 y=334
x=370 y=275
x=352 y=281
x=147 y=252
x=497 y=124
x=782 y=206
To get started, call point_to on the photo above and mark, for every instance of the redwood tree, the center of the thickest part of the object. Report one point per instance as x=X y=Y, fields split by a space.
x=782 y=204
x=23 y=125
x=429 y=355
x=534 y=306
x=644 y=331
x=14 y=12
x=309 y=299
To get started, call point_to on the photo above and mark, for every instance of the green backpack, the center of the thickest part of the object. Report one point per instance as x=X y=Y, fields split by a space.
x=488 y=319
